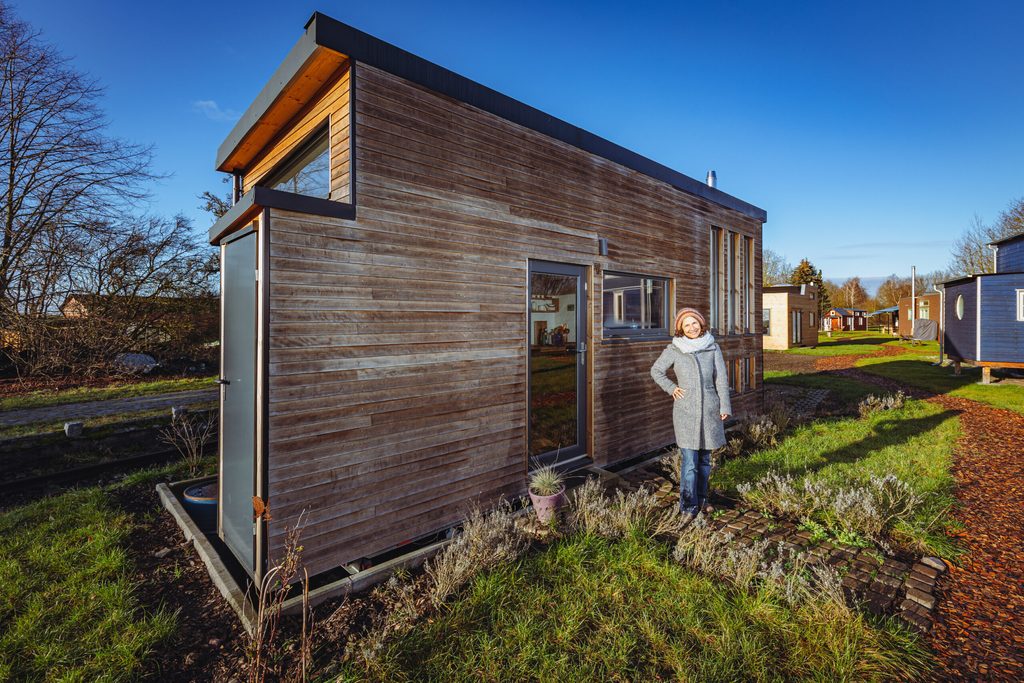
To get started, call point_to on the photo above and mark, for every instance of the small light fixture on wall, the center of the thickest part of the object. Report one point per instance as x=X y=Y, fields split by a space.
x=602 y=246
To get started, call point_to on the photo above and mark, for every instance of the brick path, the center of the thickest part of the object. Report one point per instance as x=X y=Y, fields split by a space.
x=83 y=411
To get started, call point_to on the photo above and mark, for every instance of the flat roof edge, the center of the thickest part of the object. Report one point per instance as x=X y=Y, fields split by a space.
x=322 y=30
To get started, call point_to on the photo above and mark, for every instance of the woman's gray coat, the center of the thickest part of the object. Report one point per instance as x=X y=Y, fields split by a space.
x=702 y=377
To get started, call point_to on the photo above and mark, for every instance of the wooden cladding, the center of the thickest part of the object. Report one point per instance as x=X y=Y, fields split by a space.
x=398 y=350
x=330 y=109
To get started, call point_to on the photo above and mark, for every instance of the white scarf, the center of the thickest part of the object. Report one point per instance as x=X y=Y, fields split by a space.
x=687 y=345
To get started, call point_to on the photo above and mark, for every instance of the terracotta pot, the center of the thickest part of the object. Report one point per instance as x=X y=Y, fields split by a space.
x=547 y=506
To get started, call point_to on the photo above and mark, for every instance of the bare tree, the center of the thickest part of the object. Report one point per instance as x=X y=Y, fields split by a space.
x=775 y=269
x=61 y=174
x=851 y=294
x=971 y=253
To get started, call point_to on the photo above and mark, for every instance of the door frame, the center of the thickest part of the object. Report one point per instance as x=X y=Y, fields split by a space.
x=584 y=361
x=260 y=374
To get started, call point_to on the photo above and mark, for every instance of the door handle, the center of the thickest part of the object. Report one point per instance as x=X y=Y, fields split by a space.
x=222 y=381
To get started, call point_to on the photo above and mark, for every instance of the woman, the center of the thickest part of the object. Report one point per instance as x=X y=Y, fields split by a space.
x=701 y=394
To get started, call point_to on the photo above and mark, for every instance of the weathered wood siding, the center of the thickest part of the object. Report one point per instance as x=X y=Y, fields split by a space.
x=1002 y=335
x=959 y=335
x=398 y=351
x=331 y=107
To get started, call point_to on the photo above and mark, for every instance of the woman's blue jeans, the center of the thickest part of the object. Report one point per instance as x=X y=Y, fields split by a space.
x=694 y=472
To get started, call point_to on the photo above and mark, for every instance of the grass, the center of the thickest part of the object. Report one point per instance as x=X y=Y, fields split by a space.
x=844 y=388
x=858 y=343
x=100 y=426
x=588 y=609
x=915 y=443
x=43 y=398
x=918 y=372
x=67 y=605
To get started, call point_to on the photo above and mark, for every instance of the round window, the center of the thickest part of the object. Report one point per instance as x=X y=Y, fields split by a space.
x=960 y=307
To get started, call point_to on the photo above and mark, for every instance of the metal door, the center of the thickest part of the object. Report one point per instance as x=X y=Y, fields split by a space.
x=557 y=365
x=238 y=397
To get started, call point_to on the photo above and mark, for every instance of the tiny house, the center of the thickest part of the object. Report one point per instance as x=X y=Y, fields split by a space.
x=926 y=307
x=429 y=287
x=983 y=315
x=789 y=316
x=844 y=320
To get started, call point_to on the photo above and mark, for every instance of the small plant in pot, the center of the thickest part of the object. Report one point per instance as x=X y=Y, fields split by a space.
x=547 y=492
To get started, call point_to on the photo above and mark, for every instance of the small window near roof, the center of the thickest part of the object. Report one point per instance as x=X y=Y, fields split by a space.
x=307 y=171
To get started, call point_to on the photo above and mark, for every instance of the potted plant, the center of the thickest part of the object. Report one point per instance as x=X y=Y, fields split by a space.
x=547 y=492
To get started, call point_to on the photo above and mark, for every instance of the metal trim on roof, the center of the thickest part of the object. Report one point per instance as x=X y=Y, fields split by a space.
x=361 y=47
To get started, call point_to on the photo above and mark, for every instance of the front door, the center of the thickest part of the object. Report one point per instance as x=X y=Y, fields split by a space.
x=557 y=371
x=238 y=397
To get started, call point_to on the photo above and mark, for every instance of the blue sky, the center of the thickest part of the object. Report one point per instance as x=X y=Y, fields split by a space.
x=871 y=132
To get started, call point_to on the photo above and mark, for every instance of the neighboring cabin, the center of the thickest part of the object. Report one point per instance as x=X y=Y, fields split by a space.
x=983 y=314
x=790 y=316
x=451 y=286
x=845 y=320
x=928 y=308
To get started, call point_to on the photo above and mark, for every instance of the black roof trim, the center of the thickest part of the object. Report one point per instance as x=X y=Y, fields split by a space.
x=1006 y=240
x=362 y=47
x=264 y=197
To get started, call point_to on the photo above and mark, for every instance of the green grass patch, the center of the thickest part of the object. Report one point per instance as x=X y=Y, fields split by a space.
x=588 y=609
x=919 y=372
x=40 y=399
x=66 y=602
x=846 y=389
x=103 y=425
x=915 y=443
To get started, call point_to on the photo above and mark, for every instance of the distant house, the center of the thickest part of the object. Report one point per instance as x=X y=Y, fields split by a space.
x=983 y=314
x=845 y=320
x=162 y=317
x=928 y=307
x=790 y=315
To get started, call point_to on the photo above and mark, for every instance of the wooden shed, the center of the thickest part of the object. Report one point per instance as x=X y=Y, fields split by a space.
x=790 y=316
x=983 y=315
x=845 y=320
x=428 y=287
x=927 y=307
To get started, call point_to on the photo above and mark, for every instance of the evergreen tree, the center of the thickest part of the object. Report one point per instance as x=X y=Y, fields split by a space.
x=806 y=273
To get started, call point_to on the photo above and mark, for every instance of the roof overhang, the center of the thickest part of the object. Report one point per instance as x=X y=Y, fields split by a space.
x=1007 y=240
x=327 y=43
x=258 y=198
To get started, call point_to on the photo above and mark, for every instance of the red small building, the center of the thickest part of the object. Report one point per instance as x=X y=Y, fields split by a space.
x=845 y=320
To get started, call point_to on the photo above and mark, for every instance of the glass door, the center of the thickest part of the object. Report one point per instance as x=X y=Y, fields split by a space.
x=557 y=372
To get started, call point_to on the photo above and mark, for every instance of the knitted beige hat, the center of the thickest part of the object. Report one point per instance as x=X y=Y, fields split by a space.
x=692 y=312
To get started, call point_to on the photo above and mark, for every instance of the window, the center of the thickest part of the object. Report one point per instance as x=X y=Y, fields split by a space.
x=734 y=374
x=745 y=379
x=1020 y=305
x=960 y=306
x=715 y=281
x=735 y=279
x=923 y=309
x=307 y=171
x=797 y=335
x=751 y=372
x=766 y=319
x=635 y=306
x=748 y=269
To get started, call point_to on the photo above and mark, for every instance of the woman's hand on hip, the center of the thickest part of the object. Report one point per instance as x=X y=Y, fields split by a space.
x=724 y=416
x=677 y=393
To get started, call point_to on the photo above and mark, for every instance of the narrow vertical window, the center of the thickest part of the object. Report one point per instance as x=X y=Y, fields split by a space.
x=749 y=298
x=1020 y=306
x=714 y=309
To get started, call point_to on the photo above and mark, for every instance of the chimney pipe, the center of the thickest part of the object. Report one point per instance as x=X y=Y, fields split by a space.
x=712 y=179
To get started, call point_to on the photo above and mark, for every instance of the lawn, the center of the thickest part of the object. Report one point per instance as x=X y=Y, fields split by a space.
x=915 y=443
x=848 y=390
x=67 y=609
x=39 y=399
x=590 y=609
x=920 y=373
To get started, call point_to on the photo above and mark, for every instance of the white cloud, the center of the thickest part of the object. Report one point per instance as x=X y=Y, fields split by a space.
x=211 y=110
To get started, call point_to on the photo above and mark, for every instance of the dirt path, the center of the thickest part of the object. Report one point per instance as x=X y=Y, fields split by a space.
x=80 y=411
x=979 y=627
x=979 y=630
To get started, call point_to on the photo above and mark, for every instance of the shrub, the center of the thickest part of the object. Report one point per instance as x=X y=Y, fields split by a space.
x=873 y=404
x=487 y=540
x=546 y=481
x=639 y=512
x=869 y=510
